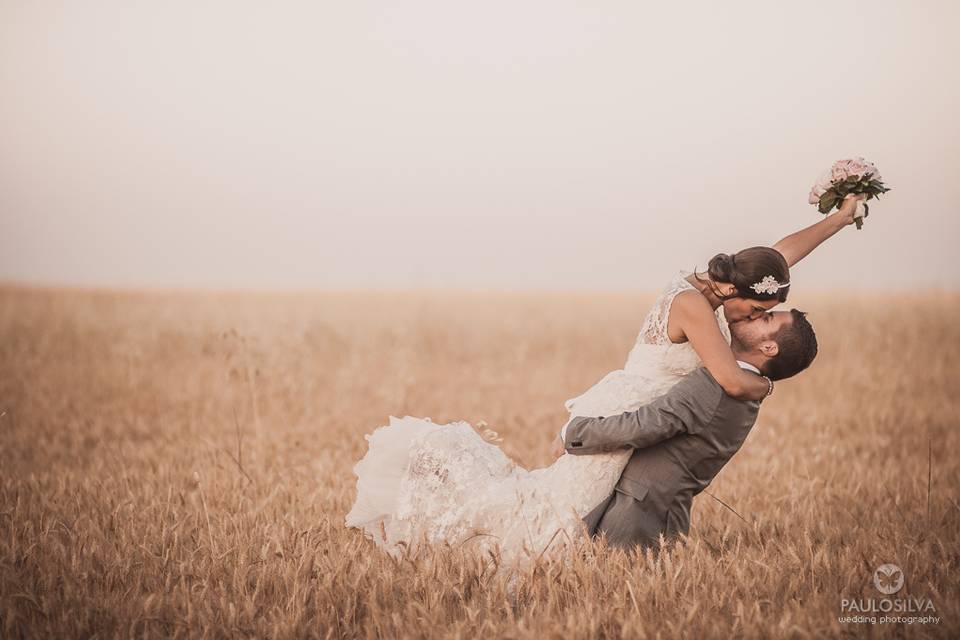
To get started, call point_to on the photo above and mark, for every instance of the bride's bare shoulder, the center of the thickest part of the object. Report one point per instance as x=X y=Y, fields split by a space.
x=691 y=301
x=688 y=307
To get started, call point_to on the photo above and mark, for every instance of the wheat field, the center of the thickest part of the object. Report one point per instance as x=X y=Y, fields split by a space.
x=179 y=465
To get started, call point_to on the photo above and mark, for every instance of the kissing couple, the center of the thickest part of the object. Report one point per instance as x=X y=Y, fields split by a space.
x=639 y=444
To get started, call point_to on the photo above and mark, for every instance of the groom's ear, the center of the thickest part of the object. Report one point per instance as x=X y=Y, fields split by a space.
x=769 y=348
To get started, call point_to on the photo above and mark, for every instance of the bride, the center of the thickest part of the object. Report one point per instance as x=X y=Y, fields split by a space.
x=425 y=483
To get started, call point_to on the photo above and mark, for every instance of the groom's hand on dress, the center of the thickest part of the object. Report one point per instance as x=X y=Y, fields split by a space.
x=557 y=448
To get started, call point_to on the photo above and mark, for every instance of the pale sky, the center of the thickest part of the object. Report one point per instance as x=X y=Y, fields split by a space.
x=482 y=145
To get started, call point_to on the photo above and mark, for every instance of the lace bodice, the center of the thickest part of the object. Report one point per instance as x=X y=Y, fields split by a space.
x=682 y=356
x=653 y=365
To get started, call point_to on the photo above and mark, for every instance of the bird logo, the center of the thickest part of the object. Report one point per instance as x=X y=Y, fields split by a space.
x=888 y=579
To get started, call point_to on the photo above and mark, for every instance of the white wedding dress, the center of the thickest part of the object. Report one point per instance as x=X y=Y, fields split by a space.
x=432 y=483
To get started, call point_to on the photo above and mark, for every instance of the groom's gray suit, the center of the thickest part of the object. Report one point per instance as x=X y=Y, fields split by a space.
x=682 y=440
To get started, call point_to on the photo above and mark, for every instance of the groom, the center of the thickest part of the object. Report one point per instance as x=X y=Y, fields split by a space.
x=683 y=438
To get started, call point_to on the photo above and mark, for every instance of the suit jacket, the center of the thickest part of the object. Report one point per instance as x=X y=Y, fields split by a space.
x=682 y=440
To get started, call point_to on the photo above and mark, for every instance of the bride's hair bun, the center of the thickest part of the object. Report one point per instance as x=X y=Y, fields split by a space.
x=721 y=268
x=745 y=268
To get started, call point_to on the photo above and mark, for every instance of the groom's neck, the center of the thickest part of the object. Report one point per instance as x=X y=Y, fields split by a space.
x=756 y=359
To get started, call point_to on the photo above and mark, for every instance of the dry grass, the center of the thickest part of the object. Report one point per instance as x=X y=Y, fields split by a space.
x=180 y=465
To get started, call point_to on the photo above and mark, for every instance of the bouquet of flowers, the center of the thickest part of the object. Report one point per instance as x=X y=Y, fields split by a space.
x=845 y=177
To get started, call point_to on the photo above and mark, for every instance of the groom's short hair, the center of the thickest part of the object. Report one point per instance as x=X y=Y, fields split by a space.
x=796 y=348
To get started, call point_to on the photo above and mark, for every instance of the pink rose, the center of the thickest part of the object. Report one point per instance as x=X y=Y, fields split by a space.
x=824 y=182
x=864 y=167
x=859 y=166
x=839 y=171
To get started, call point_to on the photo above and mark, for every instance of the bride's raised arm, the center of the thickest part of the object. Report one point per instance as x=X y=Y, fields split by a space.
x=695 y=317
x=796 y=246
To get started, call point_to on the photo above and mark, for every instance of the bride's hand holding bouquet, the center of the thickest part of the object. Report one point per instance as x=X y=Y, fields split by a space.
x=851 y=210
